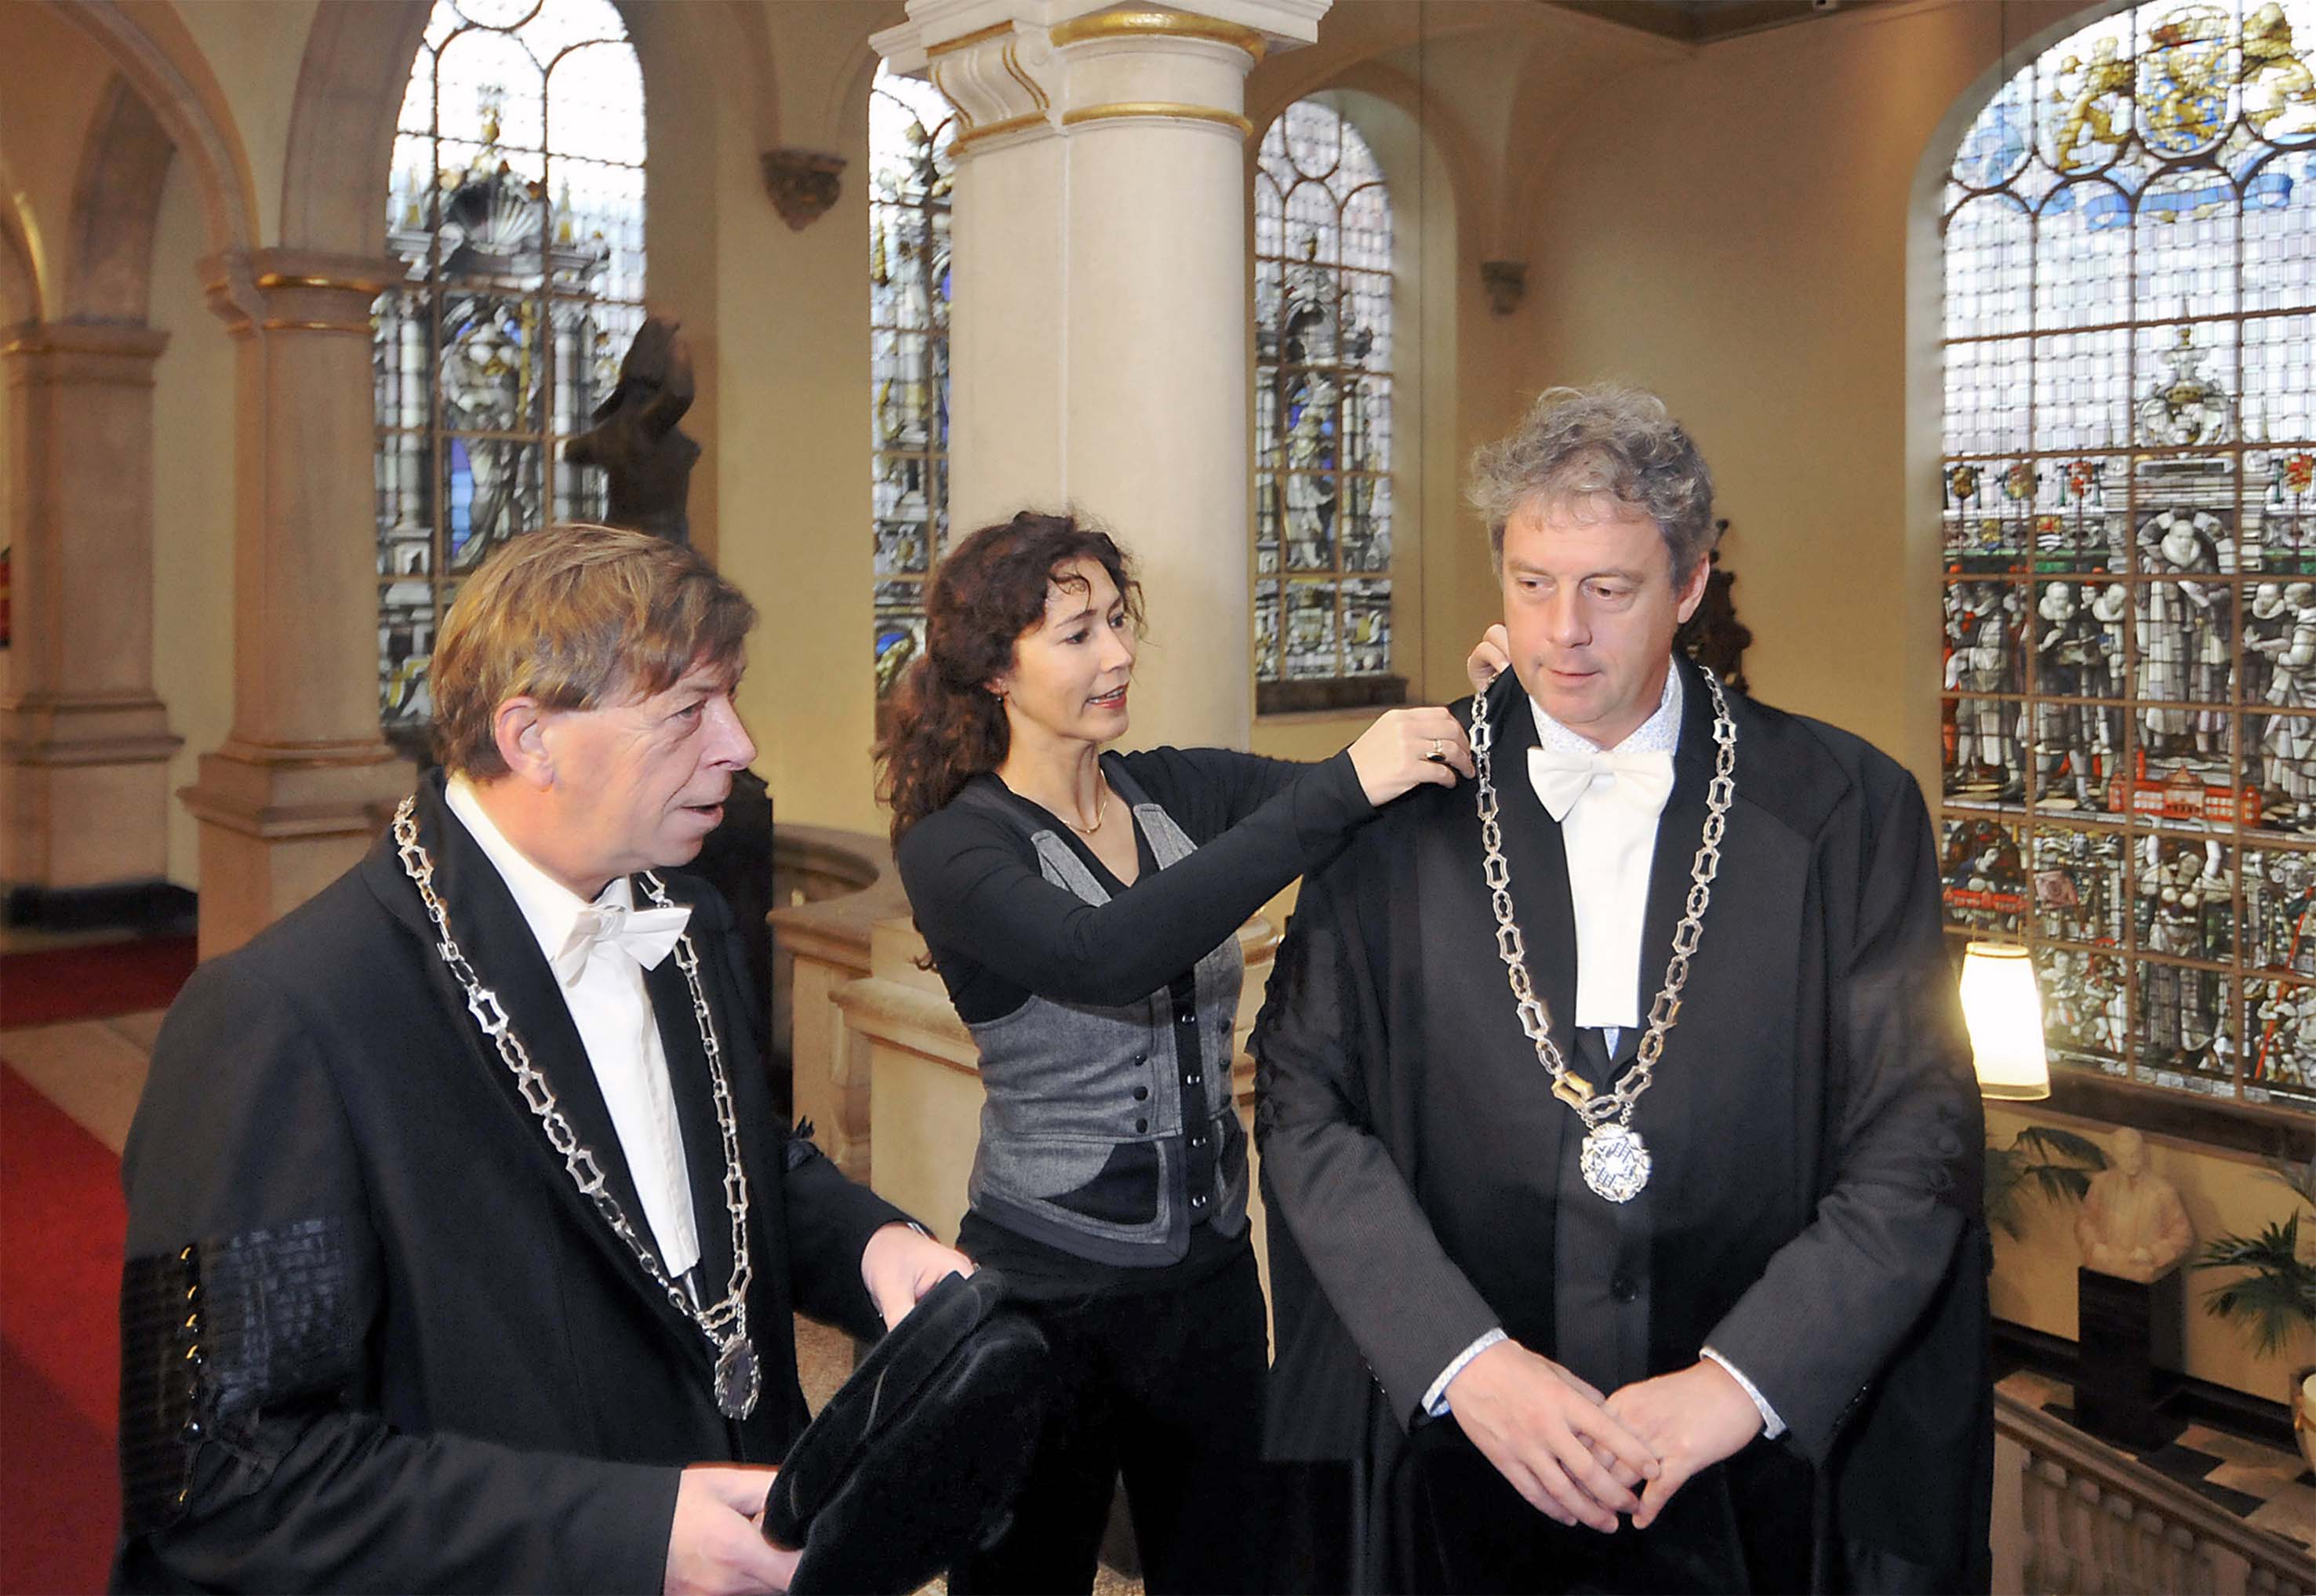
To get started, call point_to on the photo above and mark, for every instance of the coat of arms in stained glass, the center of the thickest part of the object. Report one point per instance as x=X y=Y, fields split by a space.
x=2127 y=489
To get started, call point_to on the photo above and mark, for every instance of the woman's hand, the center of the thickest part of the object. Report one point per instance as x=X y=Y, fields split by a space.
x=1405 y=747
x=1490 y=659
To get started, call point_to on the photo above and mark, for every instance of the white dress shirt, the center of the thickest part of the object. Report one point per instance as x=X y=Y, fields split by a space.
x=612 y=1012
x=1611 y=844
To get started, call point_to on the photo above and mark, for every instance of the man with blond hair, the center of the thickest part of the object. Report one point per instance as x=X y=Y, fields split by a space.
x=1618 y=1122
x=463 y=1243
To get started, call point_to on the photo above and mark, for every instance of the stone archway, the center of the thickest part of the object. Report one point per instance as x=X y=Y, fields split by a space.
x=20 y=283
x=87 y=739
x=116 y=202
x=151 y=49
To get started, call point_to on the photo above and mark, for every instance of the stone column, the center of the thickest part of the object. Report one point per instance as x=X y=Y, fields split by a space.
x=304 y=781
x=84 y=743
x=1098 y=332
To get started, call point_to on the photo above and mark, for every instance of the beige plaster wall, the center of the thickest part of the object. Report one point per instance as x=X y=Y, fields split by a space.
x=1730 y=227
x=793 y=465
x=255 y=48
x=192 y=510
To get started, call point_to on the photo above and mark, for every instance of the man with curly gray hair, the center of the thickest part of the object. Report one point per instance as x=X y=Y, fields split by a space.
x=1581 y=443
x=1623 y=1137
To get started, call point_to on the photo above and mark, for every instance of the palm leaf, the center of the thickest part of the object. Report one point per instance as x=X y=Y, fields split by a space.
x=2043 y=1161
x=2277 y=1248
x=2272 y=1305
x=2003 y=1175
x=2058 y=1180
x=2053 y=1143
x=2279 y=1292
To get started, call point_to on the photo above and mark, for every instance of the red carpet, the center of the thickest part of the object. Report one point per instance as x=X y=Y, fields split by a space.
x=61 y=1222
x=94 y=982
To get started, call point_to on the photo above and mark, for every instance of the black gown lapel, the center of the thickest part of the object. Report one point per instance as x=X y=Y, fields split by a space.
x=694 y=1090
x=1542 y=902
x=1660 y=1117
x=498 y=942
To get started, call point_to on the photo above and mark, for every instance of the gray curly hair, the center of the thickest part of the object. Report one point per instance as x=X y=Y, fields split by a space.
x=1580 y=443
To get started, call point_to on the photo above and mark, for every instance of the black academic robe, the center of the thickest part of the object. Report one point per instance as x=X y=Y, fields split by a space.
x=425 y=1360
x=1814 y=1209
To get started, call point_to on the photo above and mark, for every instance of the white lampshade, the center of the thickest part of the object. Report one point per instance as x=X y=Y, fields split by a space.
x=2005 y=1013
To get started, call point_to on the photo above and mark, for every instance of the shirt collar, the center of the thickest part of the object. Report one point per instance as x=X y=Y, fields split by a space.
x=549 y=907
x=1659 y=734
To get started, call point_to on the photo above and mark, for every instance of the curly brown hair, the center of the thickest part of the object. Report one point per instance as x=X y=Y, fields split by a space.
x=942 y=726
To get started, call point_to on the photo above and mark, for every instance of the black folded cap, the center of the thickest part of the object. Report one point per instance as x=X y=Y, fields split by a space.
x=917 y=1457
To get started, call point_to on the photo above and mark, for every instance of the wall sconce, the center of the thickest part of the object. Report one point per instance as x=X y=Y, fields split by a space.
x=2005 y=1013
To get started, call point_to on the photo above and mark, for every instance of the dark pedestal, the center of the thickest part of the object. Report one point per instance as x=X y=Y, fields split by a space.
x=2129 y=1335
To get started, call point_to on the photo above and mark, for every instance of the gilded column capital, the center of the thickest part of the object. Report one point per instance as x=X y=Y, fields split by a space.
x=117 y=353
x=1150 y=22
x=1019 y=70
x=1002 y=79
x=295 y=291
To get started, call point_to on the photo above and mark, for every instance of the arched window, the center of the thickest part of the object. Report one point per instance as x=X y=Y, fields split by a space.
x=1322 y=400
x=517 y=202
x=2130 y=541
x=909 y=173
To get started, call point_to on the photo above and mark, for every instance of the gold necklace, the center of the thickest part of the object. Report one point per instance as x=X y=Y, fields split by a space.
x=1101 y=808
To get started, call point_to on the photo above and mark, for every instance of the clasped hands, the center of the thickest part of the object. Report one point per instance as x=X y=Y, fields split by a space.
x=1579 y=1457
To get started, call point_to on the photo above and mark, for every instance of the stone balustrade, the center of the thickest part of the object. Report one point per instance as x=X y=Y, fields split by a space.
x=2073 y=1517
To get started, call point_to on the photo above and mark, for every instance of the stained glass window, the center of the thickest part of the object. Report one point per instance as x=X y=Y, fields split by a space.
x=910 y=127
x=517 y=206
x=1323 y=398
x=2130 y=541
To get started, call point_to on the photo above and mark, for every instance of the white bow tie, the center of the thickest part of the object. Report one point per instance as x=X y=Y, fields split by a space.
x=643 y=935
x=1644 y=780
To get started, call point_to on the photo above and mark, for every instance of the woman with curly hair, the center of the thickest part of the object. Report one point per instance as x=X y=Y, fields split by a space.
x=1082 y=908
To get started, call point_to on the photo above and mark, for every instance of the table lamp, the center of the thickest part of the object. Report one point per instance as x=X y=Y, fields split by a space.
x=2005 y=1013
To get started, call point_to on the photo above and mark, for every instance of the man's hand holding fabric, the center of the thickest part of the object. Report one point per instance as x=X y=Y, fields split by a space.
x=900 y=1263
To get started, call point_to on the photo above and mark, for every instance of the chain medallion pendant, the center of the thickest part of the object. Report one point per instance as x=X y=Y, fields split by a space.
x=1615 y=1161
x=739 y=1381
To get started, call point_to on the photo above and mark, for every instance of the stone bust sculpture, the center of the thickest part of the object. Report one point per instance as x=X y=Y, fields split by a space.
x=634 y=439
x=2133 y=1225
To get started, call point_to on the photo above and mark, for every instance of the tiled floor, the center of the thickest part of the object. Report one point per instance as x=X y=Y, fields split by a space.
x=2267 y=1488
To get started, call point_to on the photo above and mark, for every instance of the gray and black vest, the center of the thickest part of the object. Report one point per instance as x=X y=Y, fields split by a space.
x=1085 y=1135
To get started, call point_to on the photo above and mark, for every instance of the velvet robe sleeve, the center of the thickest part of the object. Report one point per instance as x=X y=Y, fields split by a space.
x=1835 y=1301
x=1329 y=1176
x=259 y=1467
x=831 y=1218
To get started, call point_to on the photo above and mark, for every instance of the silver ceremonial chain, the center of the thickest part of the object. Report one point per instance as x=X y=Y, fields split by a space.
x=1615 y=1161
x=738 y=1380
